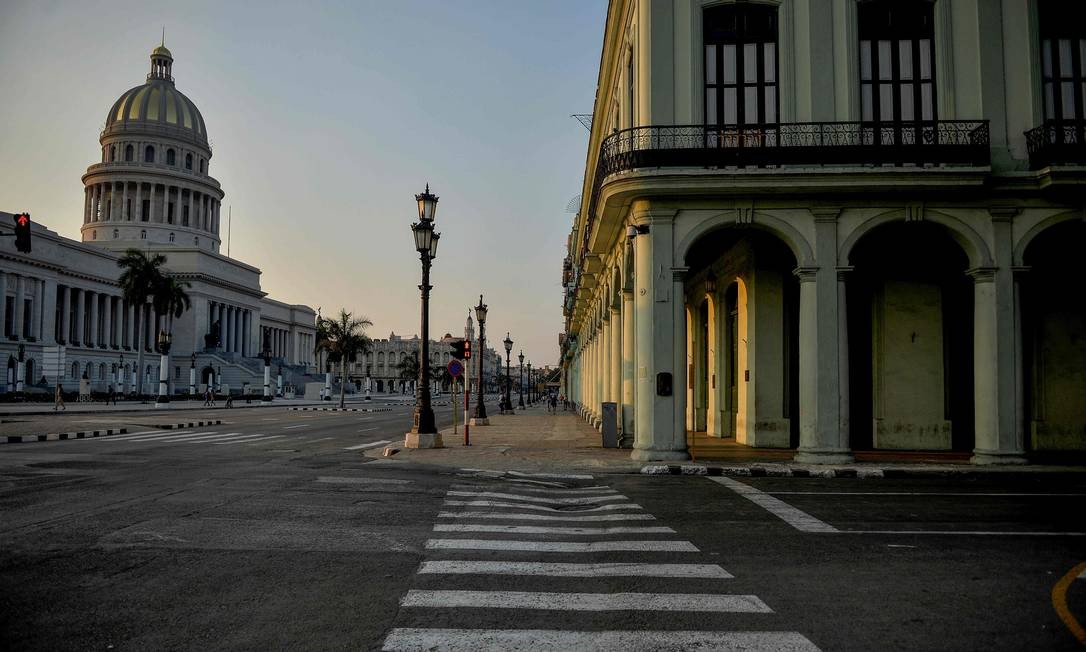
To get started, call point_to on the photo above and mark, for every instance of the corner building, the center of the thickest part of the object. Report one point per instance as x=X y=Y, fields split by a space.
x=152 y=190
x=833 y=226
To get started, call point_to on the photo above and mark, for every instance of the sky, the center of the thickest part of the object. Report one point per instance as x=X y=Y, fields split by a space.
x=326 y=118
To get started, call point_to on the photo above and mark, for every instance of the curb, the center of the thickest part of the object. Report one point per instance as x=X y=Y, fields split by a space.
x=61 y=436
x=318 y=409
x=190 y=424
x=786 y=471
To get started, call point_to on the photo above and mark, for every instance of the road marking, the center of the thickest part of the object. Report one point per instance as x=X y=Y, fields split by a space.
x=920 y=493
x=300 y=425
x=1059 y=602
x=549 y=475
x=581 y=500
x=247 y=439
x=372 y=444
x=146 y=432
x=561 y=546
x=542 y=508
x=267 y=419
x=714 y=602
x=798 y=519
x=538 y=640
x=310 y=441
x=328 y=479
x=559 y=492
x=977 y=533
x=547 y=517
x=368 y=429
x=166 y=435
x=686 y=571
x=534 y=529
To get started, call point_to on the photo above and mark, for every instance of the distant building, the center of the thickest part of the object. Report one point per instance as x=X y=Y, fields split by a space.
x=835 y=226
x=381 y=365
x=153 y=191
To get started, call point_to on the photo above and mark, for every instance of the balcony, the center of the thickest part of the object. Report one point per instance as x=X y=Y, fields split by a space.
x=929 y=143
x=1057 y=143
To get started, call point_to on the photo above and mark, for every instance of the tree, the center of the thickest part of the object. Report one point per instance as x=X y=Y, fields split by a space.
x=343 y=338
x=140 y=275
x=408 y=367
x=171 y=299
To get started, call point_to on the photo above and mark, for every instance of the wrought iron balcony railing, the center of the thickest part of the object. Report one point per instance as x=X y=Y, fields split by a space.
x=1057 y=142
x=837 y=144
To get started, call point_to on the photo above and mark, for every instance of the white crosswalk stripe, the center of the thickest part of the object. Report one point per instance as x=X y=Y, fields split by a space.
x=495 y=541
x=163 y=437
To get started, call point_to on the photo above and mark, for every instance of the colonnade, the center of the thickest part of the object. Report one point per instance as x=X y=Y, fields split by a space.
x=122 y=201
x=235 y=327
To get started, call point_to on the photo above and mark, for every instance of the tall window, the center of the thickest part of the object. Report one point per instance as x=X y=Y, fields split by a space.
x=740 y=64
x=128 y=153
x=630 y=90
x=897 y=55
x=149 y=154
x=1063 y=60
x=171 y=157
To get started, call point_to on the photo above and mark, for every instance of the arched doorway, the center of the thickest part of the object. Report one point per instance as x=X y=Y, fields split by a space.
x=1053 y=322
x=910 y=328
x=743 y=338
x=207 y=375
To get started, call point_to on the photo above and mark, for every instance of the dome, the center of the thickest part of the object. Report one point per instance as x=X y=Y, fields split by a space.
x=157 y=104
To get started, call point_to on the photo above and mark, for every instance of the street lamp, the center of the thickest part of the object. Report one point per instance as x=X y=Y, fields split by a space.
x=508 y=380
x=266 y=354
x=424 y=432
x=530 y=383
x=164 y=340
x=480 y=408
x=192 y=374
x=520 y=379
x=120 y=374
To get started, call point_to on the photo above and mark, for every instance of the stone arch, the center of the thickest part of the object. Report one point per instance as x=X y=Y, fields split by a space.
x=784 y=231
x=976 y=250
x=1023 y=243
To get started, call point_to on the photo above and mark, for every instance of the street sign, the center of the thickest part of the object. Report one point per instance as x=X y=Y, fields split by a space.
x=455 y=368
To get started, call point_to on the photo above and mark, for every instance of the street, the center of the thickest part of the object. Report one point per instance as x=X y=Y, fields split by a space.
x=271 y=530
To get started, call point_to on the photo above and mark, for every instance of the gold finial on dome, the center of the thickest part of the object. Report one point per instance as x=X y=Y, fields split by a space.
x=161 y=61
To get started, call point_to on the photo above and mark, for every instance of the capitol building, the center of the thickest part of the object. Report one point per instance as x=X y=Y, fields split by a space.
x=63 y=310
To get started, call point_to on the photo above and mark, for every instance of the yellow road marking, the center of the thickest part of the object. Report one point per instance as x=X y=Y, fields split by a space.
x=1059 y=602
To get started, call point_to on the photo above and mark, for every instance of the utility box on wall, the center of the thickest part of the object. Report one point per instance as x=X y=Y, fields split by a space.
x=609 y=427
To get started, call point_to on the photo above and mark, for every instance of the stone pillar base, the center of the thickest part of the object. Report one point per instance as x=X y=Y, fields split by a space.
x=479 y=422
x=650 y=455
x=984 y=458
x=423 y=440
x=823 y=456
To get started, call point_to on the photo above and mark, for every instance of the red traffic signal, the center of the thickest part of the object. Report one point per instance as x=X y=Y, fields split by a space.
x=22 y=232
x=467 y=349
x=458 y=348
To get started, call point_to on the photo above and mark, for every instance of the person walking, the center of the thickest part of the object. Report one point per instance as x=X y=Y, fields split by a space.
x=111 y=395
x=207 y=397
x=554 y=403
x=58 y=399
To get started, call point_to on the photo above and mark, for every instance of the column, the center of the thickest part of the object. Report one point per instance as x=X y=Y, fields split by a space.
x=124 y=214
x=139 y=201
x=238 y=322
x=107 y=325
x=605 y=364
x=94 y=202
x=66 y=316
x=3 y=300
x=17 y=325
x=131 y=325
x=48 y=297
x=112 y=201
x=615 y=363
x=246 y=341
x=86 y=204
x=118 y=339
x=39 y=308
x=660 y=334
x=92 y=297
x=165 y=203
x=628 y=363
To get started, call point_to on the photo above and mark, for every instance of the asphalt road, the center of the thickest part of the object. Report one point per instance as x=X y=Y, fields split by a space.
x=272 y=531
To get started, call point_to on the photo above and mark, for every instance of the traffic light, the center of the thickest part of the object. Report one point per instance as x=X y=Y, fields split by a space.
x=467 y=350
x=458 y=348
x=22 y=232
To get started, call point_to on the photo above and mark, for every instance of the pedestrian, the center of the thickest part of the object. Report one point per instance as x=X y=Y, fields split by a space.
x=229 y=400
x=553 y=403
x=110 y=395
x=58 y=399
x=207 y=397
x=212 y=398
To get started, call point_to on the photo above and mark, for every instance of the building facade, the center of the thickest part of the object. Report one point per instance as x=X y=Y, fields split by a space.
x=833 y=226
x=151 y=191
x=382 y=364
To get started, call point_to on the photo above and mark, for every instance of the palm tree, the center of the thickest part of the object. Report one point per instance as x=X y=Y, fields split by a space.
x=408 y=367
x=343 y=338
x=139 y=277
x=170 y=300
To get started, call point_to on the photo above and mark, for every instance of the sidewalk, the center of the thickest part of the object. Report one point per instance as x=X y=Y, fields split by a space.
x=46 y=408
x=535 y=441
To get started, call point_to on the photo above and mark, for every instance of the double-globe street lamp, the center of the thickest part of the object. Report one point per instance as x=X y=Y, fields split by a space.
x=164 y=340
x=424 y=432
x=480 y=419
x=520 y=378
x=508 y=378
x=530 y=384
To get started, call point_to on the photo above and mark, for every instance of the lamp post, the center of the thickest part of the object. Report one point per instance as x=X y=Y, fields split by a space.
x=530 y=383
x=218 y=381
x=192 y=374
x=520 y=381
x=508 y=377
x=267 y=374
x=279 y=382
x=163 y=399
x=424 y=432
x=480 y=408
x=120 y=374
x=20 y=370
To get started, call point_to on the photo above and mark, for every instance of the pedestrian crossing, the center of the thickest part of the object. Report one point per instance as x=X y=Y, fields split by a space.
x=512 y=566
x=211 y=438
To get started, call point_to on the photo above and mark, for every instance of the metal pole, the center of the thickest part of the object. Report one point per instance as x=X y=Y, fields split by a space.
x=480 y=408
x=424 y=413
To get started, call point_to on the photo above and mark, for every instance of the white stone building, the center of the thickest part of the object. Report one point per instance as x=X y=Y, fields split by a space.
x=835 y=226
x=380 y=365
x=153 y=191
